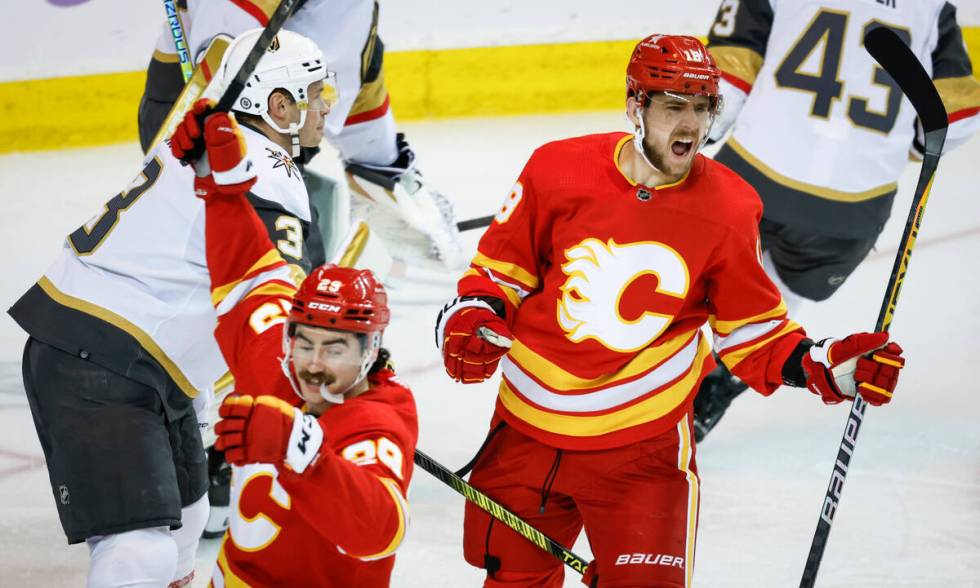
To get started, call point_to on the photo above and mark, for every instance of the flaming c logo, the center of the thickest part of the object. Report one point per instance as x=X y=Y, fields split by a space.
x=599 y=274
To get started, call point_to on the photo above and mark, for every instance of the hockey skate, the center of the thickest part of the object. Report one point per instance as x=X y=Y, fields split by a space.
x=416 y=222
x=716 y=393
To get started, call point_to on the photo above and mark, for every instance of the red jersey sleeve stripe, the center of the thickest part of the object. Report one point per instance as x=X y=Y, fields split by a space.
x=260 y=9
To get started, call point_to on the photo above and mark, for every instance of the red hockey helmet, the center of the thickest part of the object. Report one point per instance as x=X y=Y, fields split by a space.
x=671 y=63
x=341 y=298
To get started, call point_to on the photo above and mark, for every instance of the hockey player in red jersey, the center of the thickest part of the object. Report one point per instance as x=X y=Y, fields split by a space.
x=320 y=432
x=607 y=259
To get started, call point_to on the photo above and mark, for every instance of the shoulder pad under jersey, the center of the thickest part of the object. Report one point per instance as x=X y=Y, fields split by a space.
x=279 y=177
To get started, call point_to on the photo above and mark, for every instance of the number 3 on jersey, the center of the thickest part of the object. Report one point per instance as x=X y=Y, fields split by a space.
x=87 y=238
x=827 y=32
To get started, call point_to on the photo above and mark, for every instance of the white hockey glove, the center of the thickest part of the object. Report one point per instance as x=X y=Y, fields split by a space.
x=415 y=221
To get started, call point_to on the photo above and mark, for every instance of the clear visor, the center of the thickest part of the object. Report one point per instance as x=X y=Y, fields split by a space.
x=328 y=363
x=673 y=108
x=322 y=99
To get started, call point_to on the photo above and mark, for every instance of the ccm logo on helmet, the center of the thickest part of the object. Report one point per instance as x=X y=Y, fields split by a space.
x=322 y=306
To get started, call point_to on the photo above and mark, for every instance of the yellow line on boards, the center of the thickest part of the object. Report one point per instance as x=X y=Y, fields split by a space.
x=100 y=109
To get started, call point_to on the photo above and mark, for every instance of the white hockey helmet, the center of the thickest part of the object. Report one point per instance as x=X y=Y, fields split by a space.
x=291 y=63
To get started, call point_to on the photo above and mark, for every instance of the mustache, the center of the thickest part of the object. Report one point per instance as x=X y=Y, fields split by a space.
x=317 y=379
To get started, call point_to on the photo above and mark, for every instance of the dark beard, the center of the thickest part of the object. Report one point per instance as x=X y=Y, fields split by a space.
x=658 y=161
x=655 y=158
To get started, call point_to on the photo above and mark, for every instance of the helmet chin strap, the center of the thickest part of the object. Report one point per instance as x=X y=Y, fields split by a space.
x=334 y=397
x=639 y=132
x=292 y=130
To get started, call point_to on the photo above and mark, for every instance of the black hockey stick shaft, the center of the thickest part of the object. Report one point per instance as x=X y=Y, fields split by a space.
x=903 y=66
x=474 y=223
x=234 y=88
x=499 y=512
x=276 y=21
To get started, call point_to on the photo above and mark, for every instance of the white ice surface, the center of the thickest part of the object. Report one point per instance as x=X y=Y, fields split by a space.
x=910 y=514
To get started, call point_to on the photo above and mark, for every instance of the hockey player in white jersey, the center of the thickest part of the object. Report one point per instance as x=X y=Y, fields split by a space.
x=415 y=222
x=121 y=352
x=823 y=133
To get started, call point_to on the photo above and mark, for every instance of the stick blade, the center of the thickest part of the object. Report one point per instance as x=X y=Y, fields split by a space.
x=904 y=67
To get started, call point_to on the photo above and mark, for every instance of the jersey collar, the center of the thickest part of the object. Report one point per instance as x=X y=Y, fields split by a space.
x=625 y=140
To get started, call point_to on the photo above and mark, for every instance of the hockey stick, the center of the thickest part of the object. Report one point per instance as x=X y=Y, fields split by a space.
x=180 y=40
x=233 y=89
x=276 y=21
x=497 y=511
x=202 y=75
x=903 y=66
x=474 y=223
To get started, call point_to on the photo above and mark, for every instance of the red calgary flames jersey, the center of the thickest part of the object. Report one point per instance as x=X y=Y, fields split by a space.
x=339 y=522
x=608 y=285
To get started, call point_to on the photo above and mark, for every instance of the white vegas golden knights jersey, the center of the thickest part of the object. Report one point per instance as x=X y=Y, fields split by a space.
x=134 y=281
x=345 y=30
x=815 y=117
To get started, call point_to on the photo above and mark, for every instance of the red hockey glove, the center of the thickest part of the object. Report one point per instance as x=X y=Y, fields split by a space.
x=225 y=167
x=187 y=142
x=835 y=368
x=468 y=354
x=267 y=430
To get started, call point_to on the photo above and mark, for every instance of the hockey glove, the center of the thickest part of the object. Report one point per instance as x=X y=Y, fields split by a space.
x=267 y=430
x=225 y=167
x=187 y=142
x=469 y=355
x=864 y=362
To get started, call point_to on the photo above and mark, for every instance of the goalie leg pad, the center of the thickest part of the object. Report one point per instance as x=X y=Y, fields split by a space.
x=416 y=221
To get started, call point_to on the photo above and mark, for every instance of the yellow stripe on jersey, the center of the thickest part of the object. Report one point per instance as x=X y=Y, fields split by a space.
x=741 y=62
x=811 y=189
x=959 y=93
x=145 y=341
x=651 y=409
x=685 y=454
x=725 y=328
x=509 y=292
x=165 y=57
x=396 y=496
x=230 y=580
x=271 y=257
x=732 y=358
x=511 y=270
x=559 y=379
x=273 y=289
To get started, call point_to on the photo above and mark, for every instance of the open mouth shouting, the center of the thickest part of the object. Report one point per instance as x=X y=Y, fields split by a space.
x=682 y=147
